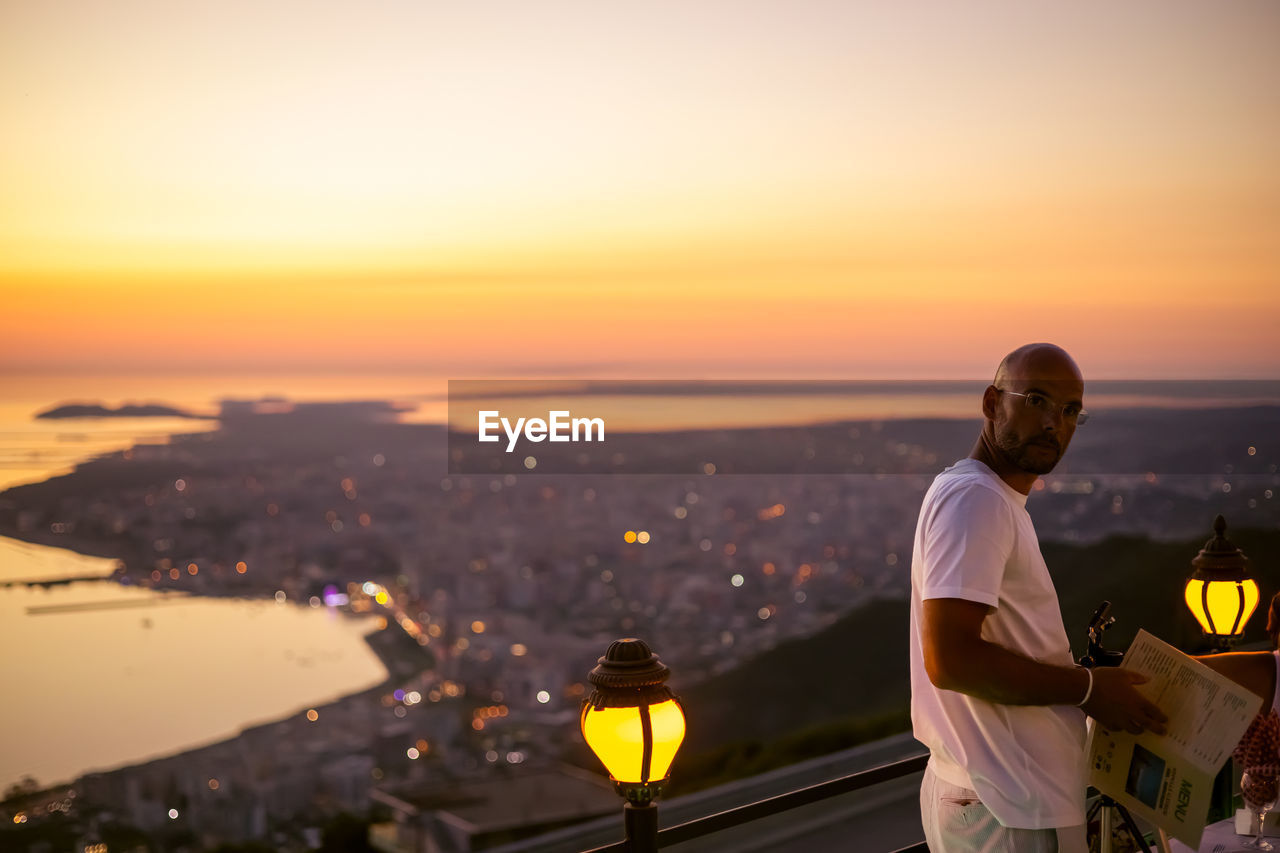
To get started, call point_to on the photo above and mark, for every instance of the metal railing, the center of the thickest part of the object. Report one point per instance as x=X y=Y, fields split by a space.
x=783 y=802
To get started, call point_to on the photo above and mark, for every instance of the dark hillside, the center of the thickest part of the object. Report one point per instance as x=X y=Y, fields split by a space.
x=849 y=682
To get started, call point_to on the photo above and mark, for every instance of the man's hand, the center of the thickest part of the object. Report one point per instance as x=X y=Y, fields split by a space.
x=1117 y=705
x=957 y=658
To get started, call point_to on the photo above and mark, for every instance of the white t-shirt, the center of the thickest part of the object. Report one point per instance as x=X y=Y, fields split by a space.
x=975 y=541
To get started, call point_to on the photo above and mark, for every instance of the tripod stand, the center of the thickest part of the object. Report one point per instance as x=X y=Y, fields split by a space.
x=1106 y=809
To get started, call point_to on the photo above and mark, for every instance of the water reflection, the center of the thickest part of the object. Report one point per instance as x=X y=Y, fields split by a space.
x=97 y=675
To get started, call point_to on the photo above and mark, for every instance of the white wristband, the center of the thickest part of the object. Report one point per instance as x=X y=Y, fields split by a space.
x=1088 y=692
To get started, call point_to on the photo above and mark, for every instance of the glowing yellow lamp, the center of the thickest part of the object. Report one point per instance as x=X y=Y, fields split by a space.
x=1222 y=607
x=632 y=721
x=1220 y=593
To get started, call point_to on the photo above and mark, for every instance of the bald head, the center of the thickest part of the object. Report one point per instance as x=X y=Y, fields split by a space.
x=1035 y=361
x=1030 y=413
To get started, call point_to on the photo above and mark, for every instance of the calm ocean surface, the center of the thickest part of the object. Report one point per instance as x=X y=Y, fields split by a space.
x=93 y=689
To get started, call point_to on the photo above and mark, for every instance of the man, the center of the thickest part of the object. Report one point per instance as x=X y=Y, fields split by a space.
x=995 y=694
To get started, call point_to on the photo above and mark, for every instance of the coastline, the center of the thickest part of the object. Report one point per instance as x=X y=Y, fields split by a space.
x=286 y=726
x=398 y=659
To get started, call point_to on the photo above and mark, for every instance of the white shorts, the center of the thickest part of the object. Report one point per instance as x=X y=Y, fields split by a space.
x=956 y=821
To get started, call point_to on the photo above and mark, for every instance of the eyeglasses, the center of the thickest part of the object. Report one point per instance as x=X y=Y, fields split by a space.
x=1071 y=412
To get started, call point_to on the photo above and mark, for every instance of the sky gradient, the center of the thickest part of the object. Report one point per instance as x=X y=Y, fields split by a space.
x=717 y=189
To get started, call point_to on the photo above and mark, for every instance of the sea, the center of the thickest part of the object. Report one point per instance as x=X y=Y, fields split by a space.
x=90 y=687
x=98 y=675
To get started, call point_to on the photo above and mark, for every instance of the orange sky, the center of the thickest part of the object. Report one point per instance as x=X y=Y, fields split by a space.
x=799 y=189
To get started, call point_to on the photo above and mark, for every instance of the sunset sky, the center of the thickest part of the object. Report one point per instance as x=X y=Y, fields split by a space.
x=707 y=188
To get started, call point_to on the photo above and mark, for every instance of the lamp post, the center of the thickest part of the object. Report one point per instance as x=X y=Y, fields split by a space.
x=634 y=724
x=1222 y=596
x=1220 y=593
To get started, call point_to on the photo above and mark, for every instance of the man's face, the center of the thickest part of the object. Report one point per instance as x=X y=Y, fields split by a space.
x=1032 y=431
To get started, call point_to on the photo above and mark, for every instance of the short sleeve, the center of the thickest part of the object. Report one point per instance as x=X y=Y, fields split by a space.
x=966 y=545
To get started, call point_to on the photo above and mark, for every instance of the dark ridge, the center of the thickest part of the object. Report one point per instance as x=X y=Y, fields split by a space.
x=128 y=410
